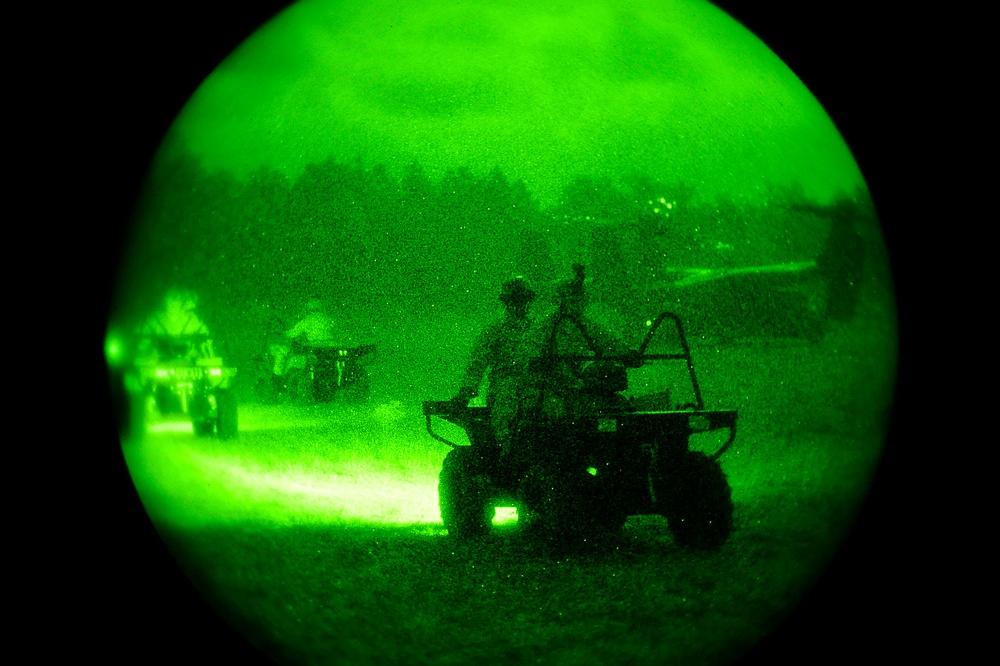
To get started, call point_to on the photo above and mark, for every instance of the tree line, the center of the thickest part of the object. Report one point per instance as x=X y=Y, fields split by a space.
x=404 y=246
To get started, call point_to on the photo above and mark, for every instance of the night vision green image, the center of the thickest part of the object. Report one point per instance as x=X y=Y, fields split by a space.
x=503 y=332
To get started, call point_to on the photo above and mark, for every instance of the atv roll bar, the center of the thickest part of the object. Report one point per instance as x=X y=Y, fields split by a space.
x=637 y=359
x=686 y=356
x=465 y=416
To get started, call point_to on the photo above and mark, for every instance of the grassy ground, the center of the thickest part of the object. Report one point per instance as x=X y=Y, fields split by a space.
x=355 y=593
x=316 y=532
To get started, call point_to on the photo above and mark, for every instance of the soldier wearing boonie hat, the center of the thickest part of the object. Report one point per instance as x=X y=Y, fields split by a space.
x=496 y=352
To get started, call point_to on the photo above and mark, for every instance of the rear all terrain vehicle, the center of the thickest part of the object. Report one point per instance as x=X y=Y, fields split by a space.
x=318 y=373
x=630 y=457
x=200 y=387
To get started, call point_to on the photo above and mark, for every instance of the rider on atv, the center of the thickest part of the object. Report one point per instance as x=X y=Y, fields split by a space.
x=175 y=332
x=496 y=352
x=314 y=360
x=534 y=442
x=557 y=380
x=315 y=329
x=584 y=455
x=539 y=393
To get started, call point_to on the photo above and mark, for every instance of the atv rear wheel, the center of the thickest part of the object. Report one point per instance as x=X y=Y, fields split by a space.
x=227 y=426
x=464 y=495
x=357 y=387
x=693 y=494
x=301 y=388
x=202 y=419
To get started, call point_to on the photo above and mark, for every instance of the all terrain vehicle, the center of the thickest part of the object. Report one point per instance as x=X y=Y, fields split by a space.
x=317 y=373
x=198 y=386
x=629 y=455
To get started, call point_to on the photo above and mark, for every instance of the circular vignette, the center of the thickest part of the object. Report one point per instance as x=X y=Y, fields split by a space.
x=823 y=618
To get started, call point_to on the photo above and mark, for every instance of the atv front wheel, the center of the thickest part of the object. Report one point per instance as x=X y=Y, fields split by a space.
x=356 y=387
x=203 y=427
x=693 y=494
x=268 y=388
x=165 y=400
x=564 y=504
x=612 y=497
x=463 y=495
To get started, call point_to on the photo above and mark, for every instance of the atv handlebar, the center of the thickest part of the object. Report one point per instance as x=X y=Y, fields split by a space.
x=456 y=411
x=299 y=347
x=686 y=355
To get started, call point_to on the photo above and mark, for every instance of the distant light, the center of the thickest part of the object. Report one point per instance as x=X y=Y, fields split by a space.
x=505 y=514
x=592 y=471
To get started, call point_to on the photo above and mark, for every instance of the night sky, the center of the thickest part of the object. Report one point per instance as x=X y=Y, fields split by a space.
x=675 y=91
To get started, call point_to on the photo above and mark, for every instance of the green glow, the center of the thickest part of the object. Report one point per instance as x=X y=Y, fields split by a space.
x=183 y=482
x=115 y=350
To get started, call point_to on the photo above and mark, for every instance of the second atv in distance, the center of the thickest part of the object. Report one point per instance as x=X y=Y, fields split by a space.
x=317 y=374
x=631 y=457
x=331 y=371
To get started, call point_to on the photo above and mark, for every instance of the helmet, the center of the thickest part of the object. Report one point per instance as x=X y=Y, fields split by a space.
x=190 y=301
x=181 y=300
x=516 y=292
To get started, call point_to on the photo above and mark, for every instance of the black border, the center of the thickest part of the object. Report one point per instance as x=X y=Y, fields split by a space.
x=137 y=68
